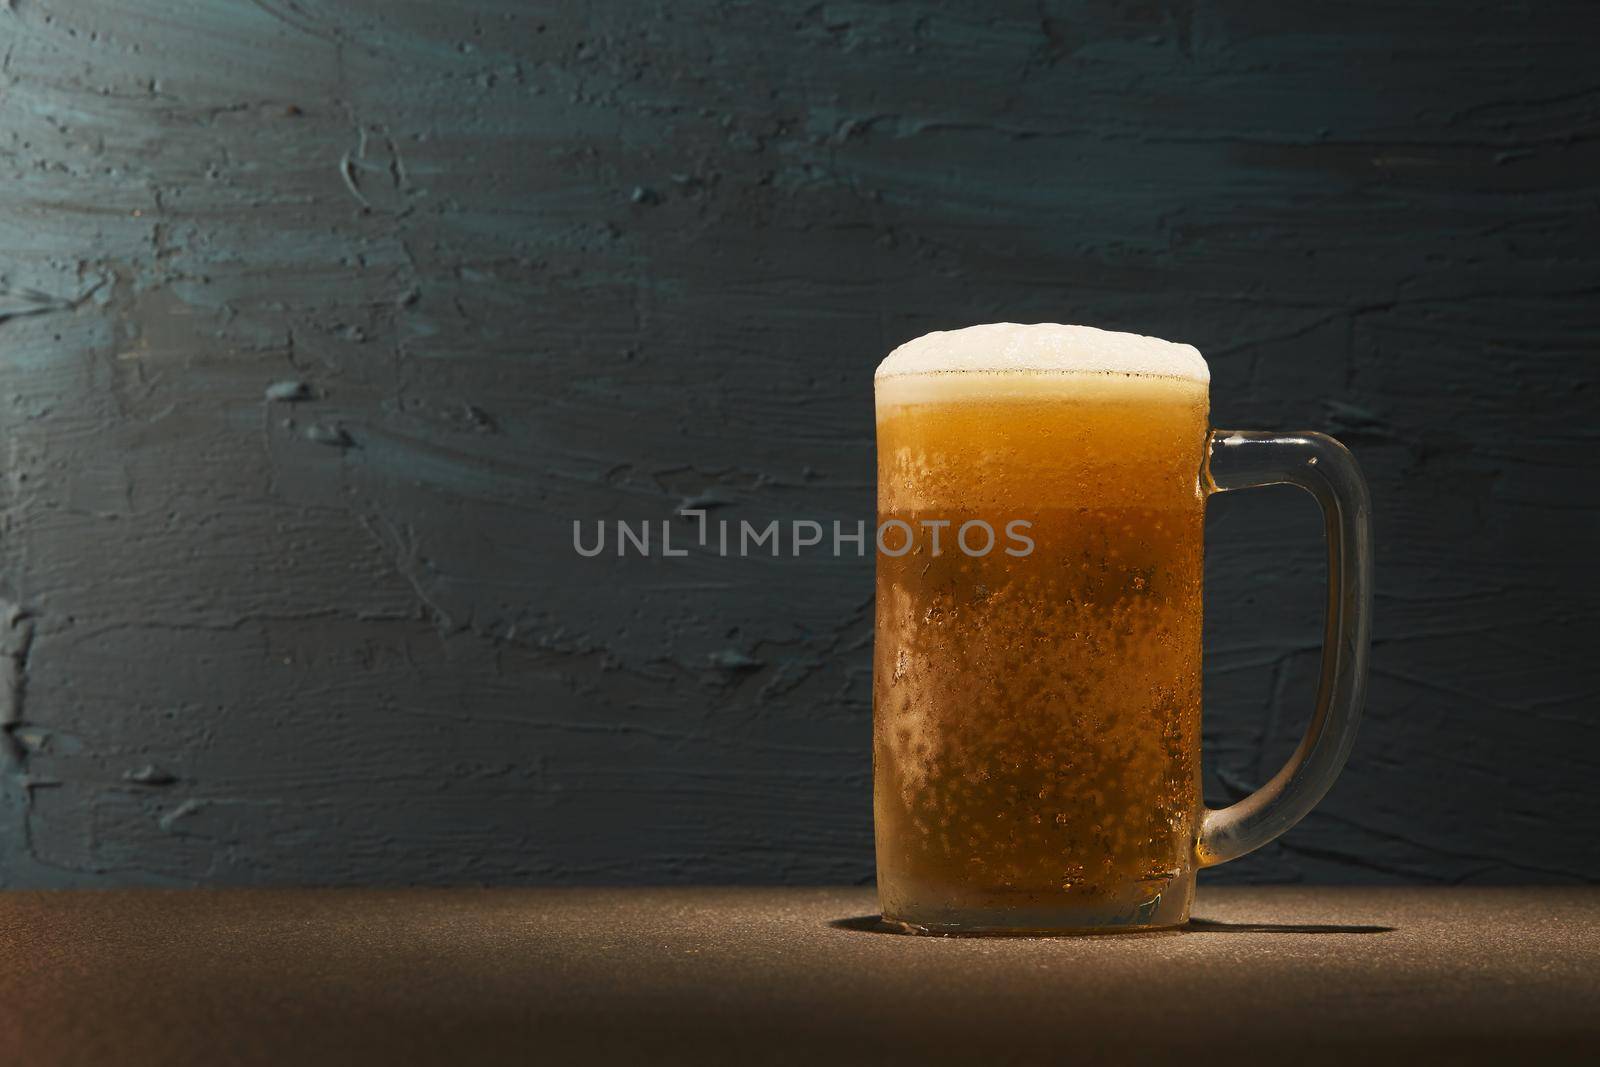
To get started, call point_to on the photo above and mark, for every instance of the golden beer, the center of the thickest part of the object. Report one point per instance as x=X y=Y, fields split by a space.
x=1036 y=733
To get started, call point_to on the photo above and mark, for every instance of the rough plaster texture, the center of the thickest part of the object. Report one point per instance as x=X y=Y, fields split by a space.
x=320 y=320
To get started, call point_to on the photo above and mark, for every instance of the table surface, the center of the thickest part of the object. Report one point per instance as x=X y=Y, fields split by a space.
x=769 y=975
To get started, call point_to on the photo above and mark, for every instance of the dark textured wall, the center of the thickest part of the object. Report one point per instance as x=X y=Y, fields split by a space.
x=320 y=320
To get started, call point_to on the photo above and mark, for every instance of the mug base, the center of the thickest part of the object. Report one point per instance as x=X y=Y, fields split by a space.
x=1163 y=910
x=900 y=926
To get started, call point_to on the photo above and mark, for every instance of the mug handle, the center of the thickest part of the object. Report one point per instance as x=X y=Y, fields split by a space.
x=1242 y=459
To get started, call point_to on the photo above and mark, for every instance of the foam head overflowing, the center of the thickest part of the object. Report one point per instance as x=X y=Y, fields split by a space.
x=1043 y=348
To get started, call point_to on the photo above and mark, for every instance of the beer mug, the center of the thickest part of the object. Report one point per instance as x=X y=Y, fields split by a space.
x=1036 y=674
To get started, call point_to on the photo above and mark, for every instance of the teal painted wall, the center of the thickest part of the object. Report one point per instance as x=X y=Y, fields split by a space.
x=320 y=320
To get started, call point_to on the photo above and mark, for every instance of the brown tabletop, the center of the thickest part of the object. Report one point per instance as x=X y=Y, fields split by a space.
x=784 y=975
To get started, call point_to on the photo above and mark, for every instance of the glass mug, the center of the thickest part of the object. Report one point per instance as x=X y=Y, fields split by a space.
x=1036 y=674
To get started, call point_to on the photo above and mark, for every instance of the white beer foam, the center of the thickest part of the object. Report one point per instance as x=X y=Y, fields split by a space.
x=1047 y=348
